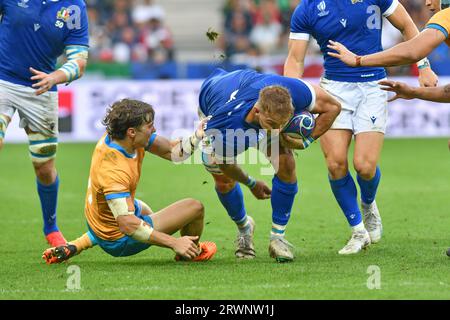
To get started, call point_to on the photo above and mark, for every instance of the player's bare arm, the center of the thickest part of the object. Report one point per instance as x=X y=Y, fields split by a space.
x=294 y=65
x=179 y=149
x=403 y=91
x=259 y=188
x=401 y=20
x=403 y=53
x=73 y=69
x=328 y=108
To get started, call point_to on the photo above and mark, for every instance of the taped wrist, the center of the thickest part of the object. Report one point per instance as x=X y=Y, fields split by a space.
x=71 y=68
x=142 y=233
x=251 y=182
x=424 y=63
x=189 y=144
x=307 y=142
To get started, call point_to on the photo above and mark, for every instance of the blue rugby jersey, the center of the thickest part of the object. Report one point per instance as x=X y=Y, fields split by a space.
x=357 y=24
x=34 y=34
x=229 y=96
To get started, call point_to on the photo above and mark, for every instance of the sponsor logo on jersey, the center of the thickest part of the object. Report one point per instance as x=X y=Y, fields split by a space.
x=343 y=22
x=356 y=1
x=322 y=7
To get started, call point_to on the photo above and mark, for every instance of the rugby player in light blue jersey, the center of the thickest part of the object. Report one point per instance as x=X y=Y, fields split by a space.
x=33 y=34
x=246 y=108
x=356 y=24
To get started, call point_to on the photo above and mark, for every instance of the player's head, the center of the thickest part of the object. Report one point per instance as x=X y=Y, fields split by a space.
x=274 y=107
x=130 y=119
x=436 y=5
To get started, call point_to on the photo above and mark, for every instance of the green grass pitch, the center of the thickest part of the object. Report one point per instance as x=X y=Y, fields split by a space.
x=413 y=198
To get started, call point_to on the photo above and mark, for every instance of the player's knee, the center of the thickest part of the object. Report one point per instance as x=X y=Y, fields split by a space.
x=286 y=171
x=337 y=169
x=197 y=207
x=365 y=168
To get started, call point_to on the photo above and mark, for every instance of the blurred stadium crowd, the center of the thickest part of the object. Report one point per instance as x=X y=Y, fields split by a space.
x=135 y=35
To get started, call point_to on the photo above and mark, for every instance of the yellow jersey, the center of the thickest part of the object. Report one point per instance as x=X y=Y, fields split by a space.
x=114 y=174
x=441 y=22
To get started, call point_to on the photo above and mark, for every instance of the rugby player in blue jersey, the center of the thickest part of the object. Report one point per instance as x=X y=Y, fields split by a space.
x=247 y=109
x=356 y=24
x=33 y=34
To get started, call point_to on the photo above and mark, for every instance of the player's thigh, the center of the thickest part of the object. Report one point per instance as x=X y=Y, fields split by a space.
x=174 y=217
x=335 y=144
x=368 y=146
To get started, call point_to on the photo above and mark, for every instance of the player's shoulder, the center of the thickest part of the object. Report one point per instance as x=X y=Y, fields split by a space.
x=79 y=3
x=442 y=18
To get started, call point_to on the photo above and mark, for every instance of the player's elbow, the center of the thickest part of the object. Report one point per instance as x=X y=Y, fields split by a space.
x=334 y=107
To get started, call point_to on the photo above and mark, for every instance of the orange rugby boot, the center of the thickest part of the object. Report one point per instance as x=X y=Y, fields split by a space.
x=59 y=254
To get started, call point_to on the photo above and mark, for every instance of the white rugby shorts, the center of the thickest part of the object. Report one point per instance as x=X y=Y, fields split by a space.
x=39 y=113
x=364 y=105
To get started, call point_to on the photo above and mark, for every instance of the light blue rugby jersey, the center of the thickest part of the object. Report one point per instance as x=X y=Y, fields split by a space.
x=34 y=33
x=229 y=96
x=355 y=23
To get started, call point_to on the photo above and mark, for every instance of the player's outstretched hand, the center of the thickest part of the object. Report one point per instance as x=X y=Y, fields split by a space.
x=261 y=190
x=401 y=90
x=186 y=247
x=342 y=53
x=45 y=81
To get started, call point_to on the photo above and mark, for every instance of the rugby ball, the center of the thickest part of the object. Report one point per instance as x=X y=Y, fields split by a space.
x=301 y=125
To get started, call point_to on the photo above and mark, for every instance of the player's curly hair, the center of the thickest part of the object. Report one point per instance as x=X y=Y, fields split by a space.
x=124 y=114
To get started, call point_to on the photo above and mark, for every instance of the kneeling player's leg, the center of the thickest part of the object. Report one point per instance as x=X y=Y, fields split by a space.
x=65 y=252
x=185 y=215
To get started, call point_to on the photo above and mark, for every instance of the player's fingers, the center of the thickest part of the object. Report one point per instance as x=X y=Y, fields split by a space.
x=333 y=54
x=193 y=238
x=386 y=82
x=387 y=89
x=35 y=71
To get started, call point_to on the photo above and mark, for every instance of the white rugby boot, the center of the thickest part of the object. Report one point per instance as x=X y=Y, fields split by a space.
x=372 y=221
x=280 y=249
x=358 y=241
x=245 y=248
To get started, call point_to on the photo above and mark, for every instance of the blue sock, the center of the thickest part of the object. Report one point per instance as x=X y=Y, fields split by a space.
x=49 y=196
x=233 y=201
x=282 y=200
x=344 y=191
x=369 y=187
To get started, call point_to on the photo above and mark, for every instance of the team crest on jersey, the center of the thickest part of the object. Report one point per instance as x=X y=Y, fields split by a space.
x=356 y=1
x=322 y=7
x=63 y=14
x=23 y=3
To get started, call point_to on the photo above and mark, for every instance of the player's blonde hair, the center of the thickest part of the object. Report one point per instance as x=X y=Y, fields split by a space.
x=276 y=101
x=127 y=113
